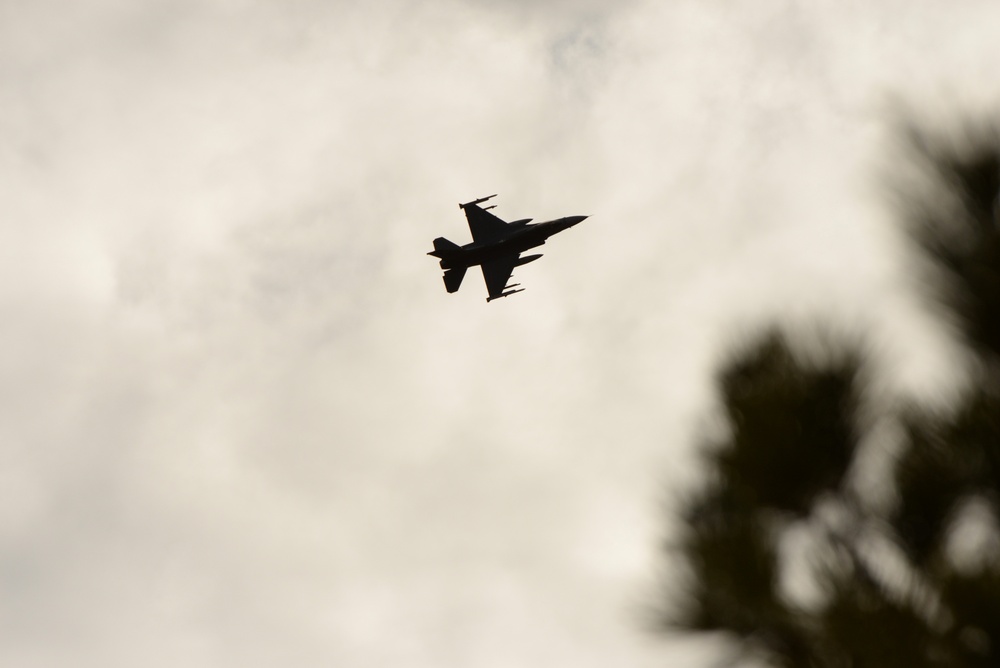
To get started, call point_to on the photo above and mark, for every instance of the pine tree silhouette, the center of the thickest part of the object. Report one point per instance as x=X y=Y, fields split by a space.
x=912 y=583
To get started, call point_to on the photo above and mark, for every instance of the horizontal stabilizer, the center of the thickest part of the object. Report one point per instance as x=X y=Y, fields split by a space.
x=453 y=279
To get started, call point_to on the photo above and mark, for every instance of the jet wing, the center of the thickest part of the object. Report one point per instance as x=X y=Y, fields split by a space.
x=497 y=272
x=483 y=224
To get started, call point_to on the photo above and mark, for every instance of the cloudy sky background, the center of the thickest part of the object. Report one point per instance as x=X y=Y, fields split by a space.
x=242 y=423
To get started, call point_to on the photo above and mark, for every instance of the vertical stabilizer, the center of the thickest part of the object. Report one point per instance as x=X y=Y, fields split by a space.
x=442 y=246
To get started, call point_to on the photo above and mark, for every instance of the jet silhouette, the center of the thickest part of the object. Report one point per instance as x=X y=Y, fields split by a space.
x=496 y=246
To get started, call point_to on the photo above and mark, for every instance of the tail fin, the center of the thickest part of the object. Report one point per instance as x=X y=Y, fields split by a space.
x=453 y=277
x=442 y=244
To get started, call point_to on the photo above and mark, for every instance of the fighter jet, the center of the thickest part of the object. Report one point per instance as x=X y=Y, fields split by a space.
x=496 y=246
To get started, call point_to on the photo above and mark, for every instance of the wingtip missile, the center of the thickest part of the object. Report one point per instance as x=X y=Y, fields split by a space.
x=477 y=201
x=504 y=294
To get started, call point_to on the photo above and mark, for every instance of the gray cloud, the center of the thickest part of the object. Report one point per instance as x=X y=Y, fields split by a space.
x=242 y=422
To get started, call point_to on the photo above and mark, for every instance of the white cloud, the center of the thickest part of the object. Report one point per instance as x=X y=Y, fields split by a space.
x=242 y=422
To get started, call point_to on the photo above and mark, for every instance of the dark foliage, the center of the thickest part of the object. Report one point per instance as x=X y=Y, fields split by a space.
x=946 y=463
x=965 y=248
x=792 y=437
x=893 y=591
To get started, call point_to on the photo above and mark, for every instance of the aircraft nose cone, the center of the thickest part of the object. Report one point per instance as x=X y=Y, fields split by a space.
x=573 y=220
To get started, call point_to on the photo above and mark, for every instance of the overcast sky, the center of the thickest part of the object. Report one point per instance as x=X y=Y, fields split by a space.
x=242 y=422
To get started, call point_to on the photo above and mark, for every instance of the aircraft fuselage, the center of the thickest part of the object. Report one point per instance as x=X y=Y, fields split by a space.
x=516 y=241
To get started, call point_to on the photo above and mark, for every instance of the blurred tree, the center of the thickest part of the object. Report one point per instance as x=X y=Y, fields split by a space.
x=781 y=550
